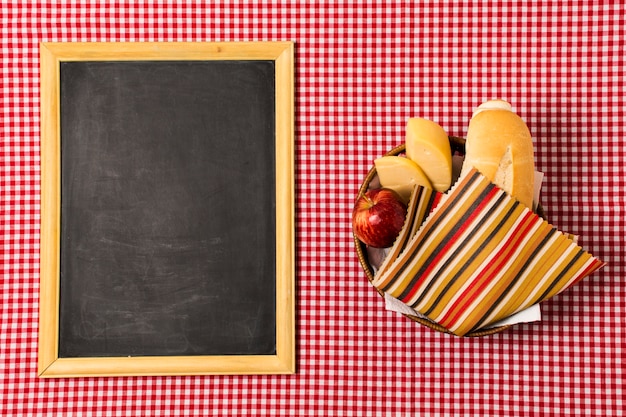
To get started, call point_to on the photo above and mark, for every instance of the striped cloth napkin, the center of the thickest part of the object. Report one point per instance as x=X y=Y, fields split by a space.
x=475 y=255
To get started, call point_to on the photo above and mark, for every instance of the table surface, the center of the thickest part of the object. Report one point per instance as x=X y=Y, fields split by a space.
x=361 y=72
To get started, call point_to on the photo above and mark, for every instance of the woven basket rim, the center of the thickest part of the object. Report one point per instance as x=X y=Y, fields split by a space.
x=457 y=143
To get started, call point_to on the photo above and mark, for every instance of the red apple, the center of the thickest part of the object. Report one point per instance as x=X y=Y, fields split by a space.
x=378 y=217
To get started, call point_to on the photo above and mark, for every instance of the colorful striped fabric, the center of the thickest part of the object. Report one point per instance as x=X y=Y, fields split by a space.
x=422 y=202
x=479 y=257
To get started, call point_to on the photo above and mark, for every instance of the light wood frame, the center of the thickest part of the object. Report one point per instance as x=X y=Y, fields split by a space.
x=49 y=362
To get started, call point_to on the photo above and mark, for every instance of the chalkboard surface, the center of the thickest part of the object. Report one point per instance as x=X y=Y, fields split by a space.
x=167 y=208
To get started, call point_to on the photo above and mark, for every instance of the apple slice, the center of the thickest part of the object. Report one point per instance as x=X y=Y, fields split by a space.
x=401 y=175
x=427 y=144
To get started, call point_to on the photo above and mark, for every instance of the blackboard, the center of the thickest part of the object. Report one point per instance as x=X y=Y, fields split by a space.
x=167 y=243
x=169 y=230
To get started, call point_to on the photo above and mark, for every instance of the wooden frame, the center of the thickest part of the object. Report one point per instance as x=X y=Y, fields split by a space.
x=49 y=362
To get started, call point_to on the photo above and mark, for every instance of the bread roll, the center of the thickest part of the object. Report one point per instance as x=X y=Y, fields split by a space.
x=499 y=145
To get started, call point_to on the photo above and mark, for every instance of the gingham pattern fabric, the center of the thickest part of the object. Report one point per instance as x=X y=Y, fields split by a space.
x=362 y=69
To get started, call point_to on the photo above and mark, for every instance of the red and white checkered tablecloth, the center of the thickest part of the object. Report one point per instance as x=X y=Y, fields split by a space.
x=361 y=71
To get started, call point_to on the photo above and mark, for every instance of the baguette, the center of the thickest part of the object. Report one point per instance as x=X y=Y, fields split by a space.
x=500 y=146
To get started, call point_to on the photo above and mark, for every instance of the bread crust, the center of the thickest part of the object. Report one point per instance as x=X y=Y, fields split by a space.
x=500 y=146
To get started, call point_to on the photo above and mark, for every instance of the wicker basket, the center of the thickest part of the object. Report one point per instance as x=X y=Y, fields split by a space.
x=457 y=144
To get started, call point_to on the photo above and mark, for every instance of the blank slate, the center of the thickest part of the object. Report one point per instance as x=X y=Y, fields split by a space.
x=173 y=203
